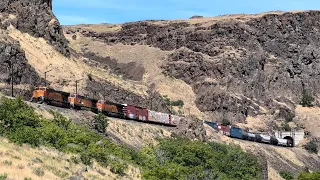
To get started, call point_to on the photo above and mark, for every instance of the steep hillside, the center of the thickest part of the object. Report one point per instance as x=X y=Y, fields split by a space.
x=237 y=65
x=35 y=18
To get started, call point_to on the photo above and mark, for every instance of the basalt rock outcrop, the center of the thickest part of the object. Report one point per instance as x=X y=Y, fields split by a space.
x=237 y=67
x=14 y=64
x=36 y=18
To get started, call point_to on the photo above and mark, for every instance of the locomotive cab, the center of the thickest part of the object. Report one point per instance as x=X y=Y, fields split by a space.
x=39 y=94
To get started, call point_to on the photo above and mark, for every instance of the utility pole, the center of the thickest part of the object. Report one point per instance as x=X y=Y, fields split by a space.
x=11 y=65
x=77 y=85
x=45 y=77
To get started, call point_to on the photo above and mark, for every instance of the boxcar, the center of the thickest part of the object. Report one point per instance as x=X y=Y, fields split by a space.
x=50 y=96
x=134 y=112
x=225 y=130
x=110 y=108
x=82 y=102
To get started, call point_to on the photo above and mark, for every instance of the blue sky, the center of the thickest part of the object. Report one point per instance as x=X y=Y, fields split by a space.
x=119 y=11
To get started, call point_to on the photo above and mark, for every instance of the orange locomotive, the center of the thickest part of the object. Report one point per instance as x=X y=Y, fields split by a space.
x=81 y=102
x=50 y=96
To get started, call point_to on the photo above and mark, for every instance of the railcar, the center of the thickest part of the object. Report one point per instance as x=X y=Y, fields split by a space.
x=283 y=142
x=81 y=102
x=50 y=96
x=251 y=137
x=110 y=108
x=135 y=113
x=163 y=118
x=274 y=141
x=238 y=133
x=124 y=111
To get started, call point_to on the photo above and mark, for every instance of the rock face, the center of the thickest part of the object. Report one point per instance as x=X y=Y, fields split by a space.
x=36 y=18
x=101 y=89
x=237 y=67
x=23 y=73
x=191 y=128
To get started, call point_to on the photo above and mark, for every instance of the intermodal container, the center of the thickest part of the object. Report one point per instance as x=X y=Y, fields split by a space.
x=159 y=117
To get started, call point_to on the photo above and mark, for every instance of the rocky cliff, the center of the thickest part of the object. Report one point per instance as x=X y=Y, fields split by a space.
x=36 y=18
x=238 y=65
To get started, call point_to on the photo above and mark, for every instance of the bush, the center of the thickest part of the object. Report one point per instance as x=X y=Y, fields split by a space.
x=286 y=175
x=86 y=158
x=309 y=176
x=100 y=122
x=118 y=167
x=184 y=159
x=225 y=122
x=178 y=103
x=307 y=98
x=286 y=127
x=38 y=171
x=311 y=147
x=3 y=176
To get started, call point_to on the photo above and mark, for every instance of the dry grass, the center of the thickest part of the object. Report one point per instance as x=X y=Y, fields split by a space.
x=99 y=28
x=151 y=59
x=273 y=174
x=43 y=57
x=55 y=165
x=137 y=135
x=309 y=118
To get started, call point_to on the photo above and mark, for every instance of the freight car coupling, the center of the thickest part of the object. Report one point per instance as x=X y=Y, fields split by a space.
x=238 y=133
x=123 y=111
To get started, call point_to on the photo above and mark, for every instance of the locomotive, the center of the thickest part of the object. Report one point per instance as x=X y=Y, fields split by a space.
x=123 y=111
x=238 y=133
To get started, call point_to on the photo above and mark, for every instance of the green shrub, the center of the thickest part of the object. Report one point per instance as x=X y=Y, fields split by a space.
x=118 y=167
x=27 y=178
x=307 y=98
x=100 y=122
x=38 y=171
x=7 y=163
x=3 y=176
x=311 y=147
x=178 y=103
x=184 y=159
x=75 y=159
x=225 y=122
x=86 y=158
x=286 y=127
x=309 y=176
x=286 y=175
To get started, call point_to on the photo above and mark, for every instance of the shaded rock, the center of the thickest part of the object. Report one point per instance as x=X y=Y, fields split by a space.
x=36 y=18
x=191 y=128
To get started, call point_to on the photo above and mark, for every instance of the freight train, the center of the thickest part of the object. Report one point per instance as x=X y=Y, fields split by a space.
x=123 y=111
x=238 y=133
